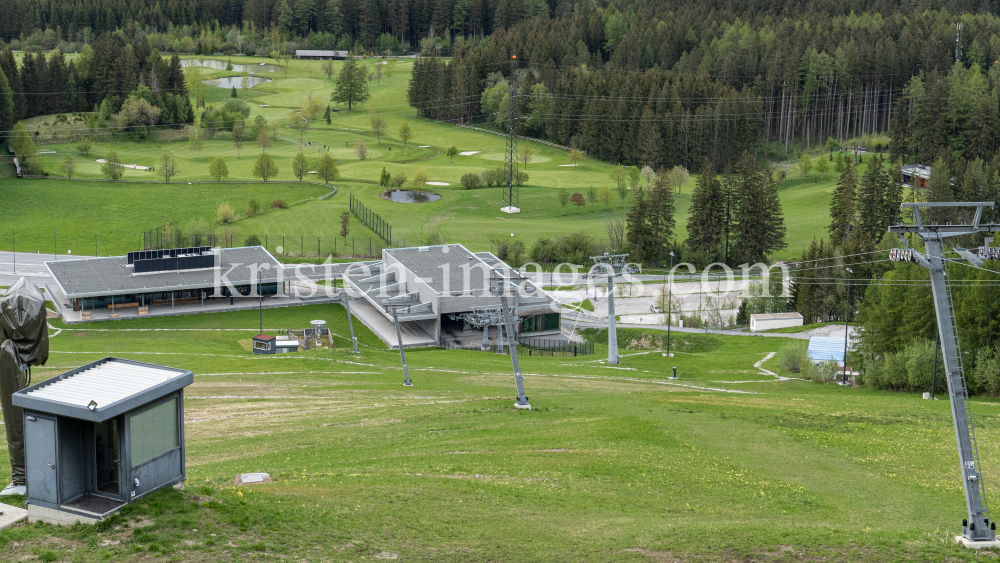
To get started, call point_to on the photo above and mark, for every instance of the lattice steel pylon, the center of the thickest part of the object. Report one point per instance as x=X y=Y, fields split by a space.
x=511 y=203
x=612 y=265
x=977 y=530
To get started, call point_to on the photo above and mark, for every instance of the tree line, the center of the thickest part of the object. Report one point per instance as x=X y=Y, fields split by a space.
x=617 y=81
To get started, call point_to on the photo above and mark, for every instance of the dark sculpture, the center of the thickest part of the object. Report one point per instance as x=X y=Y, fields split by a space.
x=24 y=342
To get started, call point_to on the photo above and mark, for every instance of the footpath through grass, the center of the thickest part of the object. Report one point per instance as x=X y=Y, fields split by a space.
x=614 y=463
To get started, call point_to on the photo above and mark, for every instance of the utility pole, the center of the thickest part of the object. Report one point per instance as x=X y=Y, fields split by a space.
x=977 y=530
x=510 y=203
x=847 y=321
x=670 y=287
x=13 y=246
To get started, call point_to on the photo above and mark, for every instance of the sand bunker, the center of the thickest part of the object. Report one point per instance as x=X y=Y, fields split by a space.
x=469 y=153
x=133 y=166
x=438 y=184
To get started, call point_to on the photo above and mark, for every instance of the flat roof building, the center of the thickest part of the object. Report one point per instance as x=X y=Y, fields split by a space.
x=439 y=290
x=767 y=321
x=317 y=55
x=164 y=279
x=916 y=175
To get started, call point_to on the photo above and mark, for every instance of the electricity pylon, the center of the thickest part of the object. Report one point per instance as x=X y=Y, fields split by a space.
x=511 y=203
x=977 y=528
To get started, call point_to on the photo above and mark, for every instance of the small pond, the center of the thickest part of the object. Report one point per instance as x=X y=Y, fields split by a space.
x=410 y=196
x=237 y=81
x=221 y=65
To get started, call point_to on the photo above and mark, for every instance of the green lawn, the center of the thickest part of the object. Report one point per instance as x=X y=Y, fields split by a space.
x=612 y=464
x=469 y=217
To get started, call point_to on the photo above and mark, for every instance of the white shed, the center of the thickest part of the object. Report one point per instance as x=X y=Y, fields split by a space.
x=767 y=321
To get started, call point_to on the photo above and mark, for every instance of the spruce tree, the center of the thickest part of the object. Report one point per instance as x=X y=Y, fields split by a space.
x=939 y=189
x=636 y=226
x=9 y=67
x=286 y=19
x=842 y=206
x=871 y=203
x=6 y=106
x=57 y=79
x=894 y=196
x=352 y=84
x=304 y=10
x=758 y=221
x=659 y=218
x=772 y=224
x=706 y=218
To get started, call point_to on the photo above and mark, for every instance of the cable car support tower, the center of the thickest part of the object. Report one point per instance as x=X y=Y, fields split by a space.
x=977 y=530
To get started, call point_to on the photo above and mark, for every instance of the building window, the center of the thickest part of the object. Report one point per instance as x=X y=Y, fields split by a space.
x=154 y=432
x=260 y=345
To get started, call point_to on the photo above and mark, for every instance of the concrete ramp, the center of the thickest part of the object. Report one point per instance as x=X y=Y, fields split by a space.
x=412 y=333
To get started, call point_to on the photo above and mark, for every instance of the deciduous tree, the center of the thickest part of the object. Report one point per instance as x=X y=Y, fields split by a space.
x=327 y=168
x=218 y=169
x=300 y=166
x=264 y=167
x=167 y=166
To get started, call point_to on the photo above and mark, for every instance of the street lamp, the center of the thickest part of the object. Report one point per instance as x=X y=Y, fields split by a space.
x=669 y=294
x=847 y=320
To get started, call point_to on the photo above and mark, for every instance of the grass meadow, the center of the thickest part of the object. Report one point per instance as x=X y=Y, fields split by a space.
x=611 y=464
x=123 y=209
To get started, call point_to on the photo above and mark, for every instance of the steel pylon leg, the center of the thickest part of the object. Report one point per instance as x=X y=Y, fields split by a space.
x=522 y=399
x=350 y=323
x=612 y=331
x=486 y=337
x=978 y=528
x=402 y=354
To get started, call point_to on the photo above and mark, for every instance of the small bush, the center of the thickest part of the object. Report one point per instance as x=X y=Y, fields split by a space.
x=225 y=213
x=471 y=181
x=398 y=179
x=792 y=356
x=252 y=240
x=253 y=207
x=279 y=204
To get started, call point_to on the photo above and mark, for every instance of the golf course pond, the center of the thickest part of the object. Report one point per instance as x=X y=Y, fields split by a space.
x=410 y=196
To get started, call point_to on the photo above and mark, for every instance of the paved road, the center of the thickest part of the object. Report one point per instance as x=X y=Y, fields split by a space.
x=832 y=332
x=28 y=265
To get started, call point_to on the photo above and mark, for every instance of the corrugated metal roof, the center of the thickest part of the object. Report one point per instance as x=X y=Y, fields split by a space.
x=105 y=384
x=823 y=349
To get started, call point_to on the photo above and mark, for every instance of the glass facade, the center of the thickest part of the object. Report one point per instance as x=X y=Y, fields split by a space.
x=154 y=431
x=540 y=323
x=160 y=297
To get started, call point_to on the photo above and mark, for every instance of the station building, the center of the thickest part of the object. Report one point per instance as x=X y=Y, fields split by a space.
x=440 y=293
x=158 y=278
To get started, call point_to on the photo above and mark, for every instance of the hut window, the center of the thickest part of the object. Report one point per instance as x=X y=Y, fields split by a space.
x=154 y=432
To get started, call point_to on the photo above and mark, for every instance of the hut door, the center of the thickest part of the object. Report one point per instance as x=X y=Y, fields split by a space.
x=107 y=456
x=40 y=441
